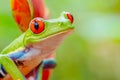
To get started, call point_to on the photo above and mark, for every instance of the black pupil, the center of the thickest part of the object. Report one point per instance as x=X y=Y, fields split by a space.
x=36 y=25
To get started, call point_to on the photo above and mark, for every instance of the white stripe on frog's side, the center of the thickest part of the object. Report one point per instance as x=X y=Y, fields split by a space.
x=2 y=73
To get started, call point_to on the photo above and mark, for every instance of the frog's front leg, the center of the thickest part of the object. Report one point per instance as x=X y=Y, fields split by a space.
x=11 y=68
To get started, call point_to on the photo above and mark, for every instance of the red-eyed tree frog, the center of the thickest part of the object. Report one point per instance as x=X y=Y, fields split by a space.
x=39 y=41
x=23 y=12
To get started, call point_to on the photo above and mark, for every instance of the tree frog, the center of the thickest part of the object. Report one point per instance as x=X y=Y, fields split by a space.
x=40 y=40
x=23 y=14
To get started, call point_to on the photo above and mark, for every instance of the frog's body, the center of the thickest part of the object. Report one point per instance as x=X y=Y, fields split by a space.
x=38 y=42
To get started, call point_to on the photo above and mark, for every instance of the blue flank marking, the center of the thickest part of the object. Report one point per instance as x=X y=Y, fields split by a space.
x=46 y=64
x=49 y=63
x=16 y=55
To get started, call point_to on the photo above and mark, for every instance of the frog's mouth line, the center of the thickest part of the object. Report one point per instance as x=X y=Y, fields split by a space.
x=66 y=31
x=63 y=34
x=50 y=35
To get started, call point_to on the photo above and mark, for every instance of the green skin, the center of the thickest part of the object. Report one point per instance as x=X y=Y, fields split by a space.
x=53 y=27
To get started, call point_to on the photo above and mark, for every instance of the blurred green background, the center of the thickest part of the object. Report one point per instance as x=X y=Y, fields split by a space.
x=92 y=52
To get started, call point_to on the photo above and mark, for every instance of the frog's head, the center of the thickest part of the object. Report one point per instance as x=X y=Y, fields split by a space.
x=40 y=29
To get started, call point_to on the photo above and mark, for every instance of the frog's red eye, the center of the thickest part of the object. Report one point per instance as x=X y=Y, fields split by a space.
x=37 y=26
x=70 y=17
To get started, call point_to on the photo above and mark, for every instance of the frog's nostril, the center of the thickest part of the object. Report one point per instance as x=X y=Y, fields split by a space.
x=70 y=17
